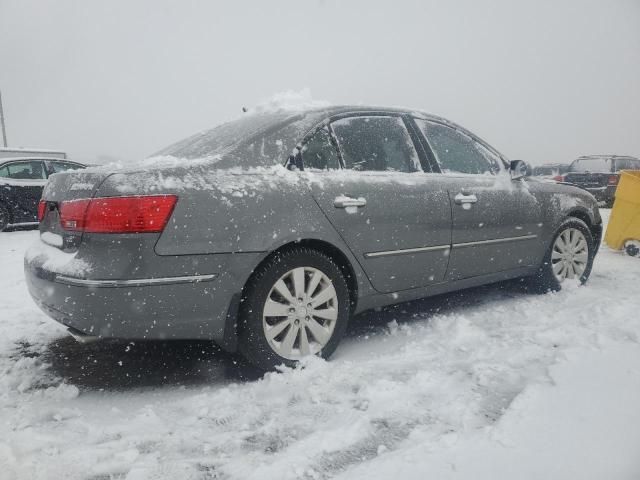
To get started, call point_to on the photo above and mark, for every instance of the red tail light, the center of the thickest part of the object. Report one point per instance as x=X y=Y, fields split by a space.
x=613 y=180
x=140 y=214
x=559 y=178
x=72 y=214
x=42 y=208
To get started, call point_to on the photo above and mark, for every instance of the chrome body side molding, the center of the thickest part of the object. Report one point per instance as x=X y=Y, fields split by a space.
x=495 y=240
x=141 y=282
x=407 y=251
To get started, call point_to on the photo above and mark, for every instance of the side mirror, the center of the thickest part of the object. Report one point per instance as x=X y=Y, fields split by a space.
x=517 y=169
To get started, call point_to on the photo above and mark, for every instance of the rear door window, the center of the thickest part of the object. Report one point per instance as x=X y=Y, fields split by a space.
x=457 y=152
x=376 y=143
x=29 y=170
x=319 y=153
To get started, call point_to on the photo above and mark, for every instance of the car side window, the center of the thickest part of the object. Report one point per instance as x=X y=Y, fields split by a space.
x=31 y=170
x=456 y=152
x=627 y=164
x=57 y=167
x=319 y=153
x=376 y=143
x=4 y=171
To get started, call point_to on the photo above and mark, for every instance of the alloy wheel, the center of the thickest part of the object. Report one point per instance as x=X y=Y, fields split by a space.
x=300 y=313
x=570 y=255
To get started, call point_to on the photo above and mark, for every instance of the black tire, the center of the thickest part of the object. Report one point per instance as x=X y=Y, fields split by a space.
x=5 y=217
x=632 y=250
x=252 y=342
x=544 y=280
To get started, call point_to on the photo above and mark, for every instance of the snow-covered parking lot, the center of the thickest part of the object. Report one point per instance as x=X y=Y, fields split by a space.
x=487 y=383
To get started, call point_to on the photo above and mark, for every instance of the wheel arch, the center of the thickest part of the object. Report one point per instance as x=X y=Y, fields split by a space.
x=595 y=229
x=330 y=250
x=581 y=214
x=230 y=340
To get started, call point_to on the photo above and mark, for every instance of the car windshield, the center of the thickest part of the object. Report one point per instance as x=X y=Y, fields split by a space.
x=596 y=164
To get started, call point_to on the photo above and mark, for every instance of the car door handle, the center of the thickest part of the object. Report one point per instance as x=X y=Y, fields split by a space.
x=461 y=198
x=344 y=202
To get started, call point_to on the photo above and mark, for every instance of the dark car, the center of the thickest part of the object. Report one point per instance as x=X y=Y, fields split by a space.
x=21 y=183
x=550 y=170
x=266 y=234
x=599 y=174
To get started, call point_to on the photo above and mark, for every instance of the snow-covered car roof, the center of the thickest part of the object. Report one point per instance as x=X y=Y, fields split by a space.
x=258 y=139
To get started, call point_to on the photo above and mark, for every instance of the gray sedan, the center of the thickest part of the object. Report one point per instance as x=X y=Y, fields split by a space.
x=266 y=234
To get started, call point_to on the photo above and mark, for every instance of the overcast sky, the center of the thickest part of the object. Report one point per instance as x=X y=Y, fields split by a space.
x=545 y=81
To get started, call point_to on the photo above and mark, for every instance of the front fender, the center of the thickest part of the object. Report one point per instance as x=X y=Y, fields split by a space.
x=560 y=201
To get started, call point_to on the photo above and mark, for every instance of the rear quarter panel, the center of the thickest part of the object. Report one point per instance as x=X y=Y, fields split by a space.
x=233 y=211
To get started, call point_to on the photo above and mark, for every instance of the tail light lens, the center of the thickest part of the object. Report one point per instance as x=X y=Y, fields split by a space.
x=139 y=214
x=559 y=178
x=42 y=208
x=72 y=214
x=613 y=180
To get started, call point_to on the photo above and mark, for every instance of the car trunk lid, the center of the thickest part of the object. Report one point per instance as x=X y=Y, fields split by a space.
x=588 y=179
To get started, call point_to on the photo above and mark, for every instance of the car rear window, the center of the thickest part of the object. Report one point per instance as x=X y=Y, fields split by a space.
x=226 y=137
x=545 y=171
x=599 y=165
x=58 y=167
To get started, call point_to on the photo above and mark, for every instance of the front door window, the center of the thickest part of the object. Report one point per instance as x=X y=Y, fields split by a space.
x=456 y=152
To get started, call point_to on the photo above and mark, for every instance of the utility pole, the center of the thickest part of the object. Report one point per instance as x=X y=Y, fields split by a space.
x=4 y=132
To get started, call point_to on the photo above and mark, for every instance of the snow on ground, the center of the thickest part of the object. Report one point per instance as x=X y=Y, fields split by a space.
x=488 y=383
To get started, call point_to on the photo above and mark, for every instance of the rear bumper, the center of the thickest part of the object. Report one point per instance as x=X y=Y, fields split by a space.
x=602 y=194
x=173 y=310
x=185 y=307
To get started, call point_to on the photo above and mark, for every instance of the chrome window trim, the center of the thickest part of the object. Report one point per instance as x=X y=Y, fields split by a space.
x=142 y=282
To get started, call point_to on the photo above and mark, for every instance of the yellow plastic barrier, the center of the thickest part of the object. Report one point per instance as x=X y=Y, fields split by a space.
x=624 y=223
